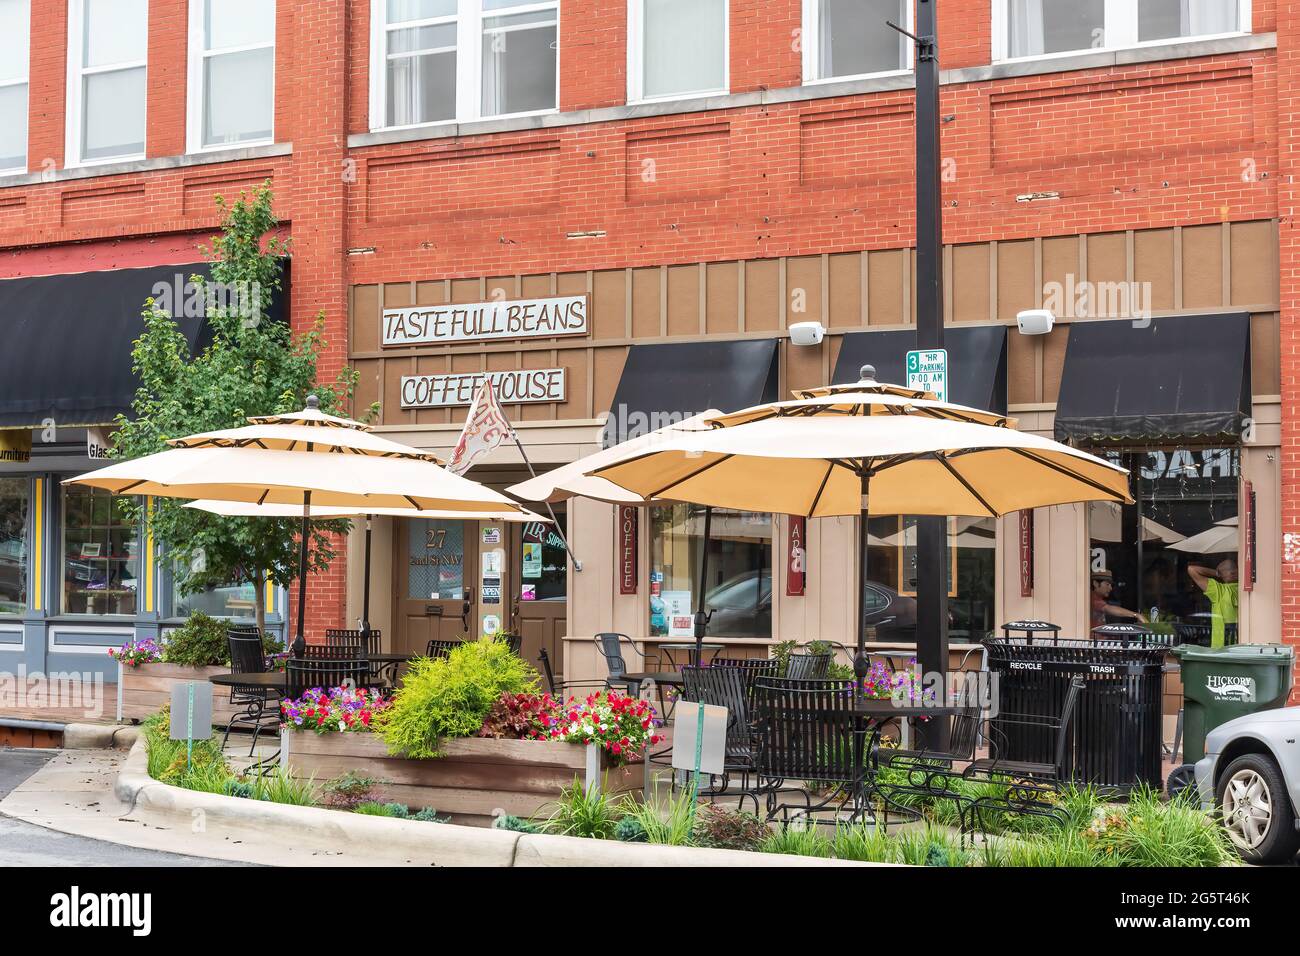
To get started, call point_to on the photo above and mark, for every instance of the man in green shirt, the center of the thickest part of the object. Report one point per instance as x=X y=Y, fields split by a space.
x=1220 y=586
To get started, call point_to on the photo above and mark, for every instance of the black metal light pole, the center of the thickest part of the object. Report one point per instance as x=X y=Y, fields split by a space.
x=702 y=613
x=932 y=531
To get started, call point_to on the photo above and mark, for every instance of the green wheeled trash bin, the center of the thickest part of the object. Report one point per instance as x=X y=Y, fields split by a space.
x=1220 y=683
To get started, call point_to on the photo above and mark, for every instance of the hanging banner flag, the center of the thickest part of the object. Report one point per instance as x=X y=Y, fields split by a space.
x=1026 y=538
x=796 y=570
x=486 y=429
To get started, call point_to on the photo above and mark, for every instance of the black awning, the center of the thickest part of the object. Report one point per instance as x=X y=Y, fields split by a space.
x=977 y=362
x=66 y=342
x=663 y=384
x=1182 y=377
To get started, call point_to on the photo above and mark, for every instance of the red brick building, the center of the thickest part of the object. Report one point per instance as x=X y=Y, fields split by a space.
x=704 y=175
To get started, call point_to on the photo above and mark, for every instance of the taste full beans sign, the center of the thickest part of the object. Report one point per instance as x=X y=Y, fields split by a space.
x=473 y=322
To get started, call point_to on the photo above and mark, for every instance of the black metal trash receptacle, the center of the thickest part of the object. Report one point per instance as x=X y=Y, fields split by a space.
x=1115 y=736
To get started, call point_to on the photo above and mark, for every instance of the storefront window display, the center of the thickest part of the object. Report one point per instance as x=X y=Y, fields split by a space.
x=1179 y=573
x=890 y=598
x=229 y=600
x=101 y=554
x=739 y=590
x=14 y=507
x=543 y=571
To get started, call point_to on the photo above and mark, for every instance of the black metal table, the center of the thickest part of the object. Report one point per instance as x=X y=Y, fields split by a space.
x=389 y=664
x=689 y=648
x=277 y=681
x=871 y=715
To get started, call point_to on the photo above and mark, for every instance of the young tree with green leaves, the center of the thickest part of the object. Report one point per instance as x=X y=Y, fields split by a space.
x=254 y=366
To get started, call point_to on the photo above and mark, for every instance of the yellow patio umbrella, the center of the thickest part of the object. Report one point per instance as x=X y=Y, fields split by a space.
x=863 y=449
x=307 y=460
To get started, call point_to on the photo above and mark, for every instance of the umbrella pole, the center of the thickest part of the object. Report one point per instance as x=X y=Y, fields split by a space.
x=702 y=615
x=300 y=642
x=365 y=594
x=860 y=663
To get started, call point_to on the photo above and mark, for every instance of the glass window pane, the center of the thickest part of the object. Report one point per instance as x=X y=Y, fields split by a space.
x=413 y=39
x=101 y=562
x=230 y=23
x=13 y=126
x=543 y=562
x=229 y=600
x=684 y=48
x=421 y=89
x=436 y=569
x=114 y=31
x=739 y=586
x=852 y=38
x=399 y=10
x=112 y=114
x=1168 y=19
x=13 y=545
x=238 y=93
x=506 y=4
x=519 y=64
x=15 y=25
x=1036 y=27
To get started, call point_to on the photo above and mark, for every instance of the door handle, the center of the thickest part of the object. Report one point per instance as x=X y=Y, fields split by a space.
x=465 y=608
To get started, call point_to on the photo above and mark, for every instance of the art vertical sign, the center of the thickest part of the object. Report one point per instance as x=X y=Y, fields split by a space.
x=796 y=570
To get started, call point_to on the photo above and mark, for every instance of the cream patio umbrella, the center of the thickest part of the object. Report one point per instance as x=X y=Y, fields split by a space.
x=863 y=449
x=305 y=459
x=1221 y=536
x=241 y=509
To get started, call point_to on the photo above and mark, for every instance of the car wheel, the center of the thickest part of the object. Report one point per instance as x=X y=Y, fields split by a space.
x=1256 y=810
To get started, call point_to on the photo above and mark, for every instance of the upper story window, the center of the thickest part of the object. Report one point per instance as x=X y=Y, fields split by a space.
x=1034 y=28
x=108 y=44
x=847 y=39
x=232 y=73
x=677 y=48
x=437 y=61
x=15 y=24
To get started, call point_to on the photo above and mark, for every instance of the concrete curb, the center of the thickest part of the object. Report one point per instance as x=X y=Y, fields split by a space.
x=99 y=736
x=403 y=841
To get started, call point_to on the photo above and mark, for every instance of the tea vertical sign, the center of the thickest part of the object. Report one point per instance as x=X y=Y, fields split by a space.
x=628 y=536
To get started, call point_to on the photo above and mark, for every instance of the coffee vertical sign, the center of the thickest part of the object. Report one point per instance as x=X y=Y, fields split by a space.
x=628 y=537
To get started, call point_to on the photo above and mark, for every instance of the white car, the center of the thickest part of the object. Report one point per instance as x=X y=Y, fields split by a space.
x=1251 y=771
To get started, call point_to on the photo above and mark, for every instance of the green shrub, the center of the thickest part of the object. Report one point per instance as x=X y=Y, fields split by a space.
x=205 y=769
x=348 y=791
x=630 y=830
x=796 y=842
x=671 y=824
x=240 y=788
x=373 y=808
x=450 y=697
x=583 y=813
x=1149 y=832
x=931 y=847
x=864 y=843
x=279 y=787
x=515 y=824
x=199 y=642
x=725 y=829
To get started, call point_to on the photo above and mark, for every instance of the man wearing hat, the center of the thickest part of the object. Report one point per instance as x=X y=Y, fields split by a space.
x=1103 y=582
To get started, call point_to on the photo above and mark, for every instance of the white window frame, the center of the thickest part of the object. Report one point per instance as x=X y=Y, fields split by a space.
x=76 y=72
x=469 y=61
x=812 y=51
x=1121 y=25
x=25 y=80
x=636 y=60
x=194 y=97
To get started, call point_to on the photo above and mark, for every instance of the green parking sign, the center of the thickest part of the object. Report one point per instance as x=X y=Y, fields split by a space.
x=927 y=370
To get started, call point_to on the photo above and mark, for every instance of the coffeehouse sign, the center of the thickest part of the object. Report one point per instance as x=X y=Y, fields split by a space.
x=482 y=321
x=512 y=387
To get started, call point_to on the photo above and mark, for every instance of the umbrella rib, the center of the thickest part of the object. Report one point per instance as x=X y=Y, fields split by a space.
x=820 y=488
x=414 y=503
x=1065 y=471
x=694 y=474
x=943 y=460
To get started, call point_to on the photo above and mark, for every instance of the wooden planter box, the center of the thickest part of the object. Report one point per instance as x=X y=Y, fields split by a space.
x=144 y=689
x=472 y=782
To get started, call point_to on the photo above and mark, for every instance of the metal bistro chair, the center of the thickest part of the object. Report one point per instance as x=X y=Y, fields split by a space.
x=437 y=648
x=319 y=671
x=723 y=686
x=805 y=731
x=248 y=656
x=808 y=666
x=1028 y=783
x=752 y=668
x=364 y=644
x=559 y=689
x=611 y=647
x=513 y=641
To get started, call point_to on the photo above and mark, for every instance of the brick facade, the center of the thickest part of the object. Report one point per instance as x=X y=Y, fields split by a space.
x=1167 y=142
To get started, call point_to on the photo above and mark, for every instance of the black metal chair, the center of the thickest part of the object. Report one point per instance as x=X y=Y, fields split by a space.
x=723 y=686
x=808 y=666
x=752 y=668
x=364 y=644
x=806 y=732
x=437 y=648
x=611 y=646
x=557 y=688
x=514 y=641
x=324 y=672
x=248 y=656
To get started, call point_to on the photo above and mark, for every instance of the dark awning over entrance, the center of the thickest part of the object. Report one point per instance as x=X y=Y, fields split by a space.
x=667 y=383
x=65 y=342
x=1182 y=377
x=977 y=362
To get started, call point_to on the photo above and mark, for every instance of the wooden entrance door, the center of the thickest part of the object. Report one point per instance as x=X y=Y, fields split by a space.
x=436 y=562
x=539 y=608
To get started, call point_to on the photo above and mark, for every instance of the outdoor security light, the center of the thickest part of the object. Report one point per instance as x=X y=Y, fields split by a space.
x=1035 y=321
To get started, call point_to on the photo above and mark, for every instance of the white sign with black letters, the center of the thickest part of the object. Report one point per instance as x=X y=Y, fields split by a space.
x=471 y=322
x=523 y=386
